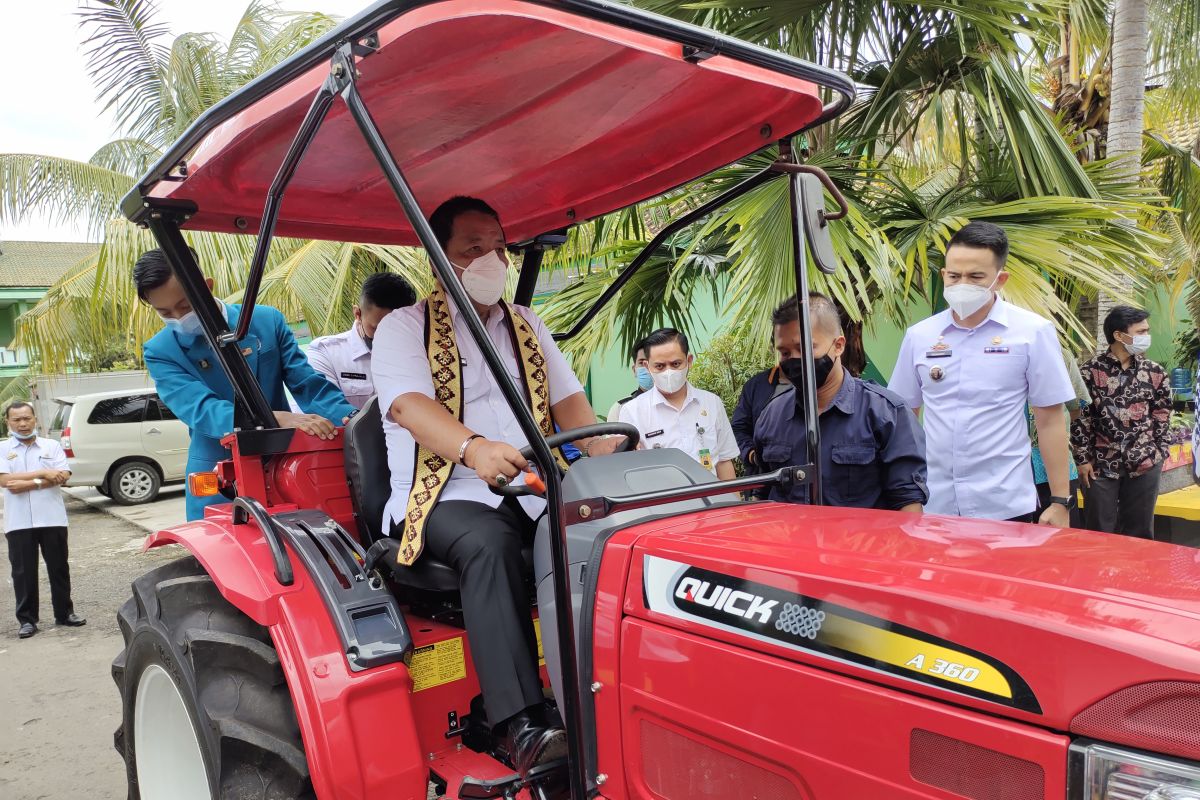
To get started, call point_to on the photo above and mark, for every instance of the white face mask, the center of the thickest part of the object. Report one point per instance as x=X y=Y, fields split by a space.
x=1139 y=345
x=484 y=279
x=189 y=323
x=670 y=381
x=965 y=299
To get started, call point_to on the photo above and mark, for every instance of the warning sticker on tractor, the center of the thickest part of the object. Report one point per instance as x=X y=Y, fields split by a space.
x=438 y=663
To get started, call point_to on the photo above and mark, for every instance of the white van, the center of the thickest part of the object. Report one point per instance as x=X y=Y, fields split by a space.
x=125 y=443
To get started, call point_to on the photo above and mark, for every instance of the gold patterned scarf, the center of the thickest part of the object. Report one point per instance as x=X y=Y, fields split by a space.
x=431 y=472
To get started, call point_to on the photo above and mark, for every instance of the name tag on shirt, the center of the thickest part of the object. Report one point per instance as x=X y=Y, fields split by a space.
x=1003 y=349
x=652 y=434
x=355 y=376
x=939 y=353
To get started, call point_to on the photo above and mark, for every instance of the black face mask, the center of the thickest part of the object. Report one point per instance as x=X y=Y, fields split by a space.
x=793 y=368
x=368 y=340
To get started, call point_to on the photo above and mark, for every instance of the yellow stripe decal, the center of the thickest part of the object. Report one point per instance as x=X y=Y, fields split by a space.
x=913 y=655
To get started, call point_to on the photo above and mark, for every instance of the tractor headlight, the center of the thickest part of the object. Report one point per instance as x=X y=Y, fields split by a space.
x=1110 y=773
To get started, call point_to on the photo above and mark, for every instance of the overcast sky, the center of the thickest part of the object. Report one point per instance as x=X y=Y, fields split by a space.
x=48 y=104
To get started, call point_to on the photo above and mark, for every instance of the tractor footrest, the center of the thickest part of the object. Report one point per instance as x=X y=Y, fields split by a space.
x=543 y=781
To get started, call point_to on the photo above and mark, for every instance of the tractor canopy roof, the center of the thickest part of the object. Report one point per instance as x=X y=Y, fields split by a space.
x=553 y=112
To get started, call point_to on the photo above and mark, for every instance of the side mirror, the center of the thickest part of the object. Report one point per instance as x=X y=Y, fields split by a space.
x=816 y=221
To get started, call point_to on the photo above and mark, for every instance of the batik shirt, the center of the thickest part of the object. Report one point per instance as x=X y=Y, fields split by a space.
x=1123 y=431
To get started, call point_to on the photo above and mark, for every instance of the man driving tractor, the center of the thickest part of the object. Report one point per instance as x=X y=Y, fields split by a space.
x=447 y=421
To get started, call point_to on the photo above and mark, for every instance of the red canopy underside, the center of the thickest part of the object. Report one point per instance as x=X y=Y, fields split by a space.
x=549 y=117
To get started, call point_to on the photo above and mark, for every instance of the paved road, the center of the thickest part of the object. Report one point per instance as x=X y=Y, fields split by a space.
x=58 y=704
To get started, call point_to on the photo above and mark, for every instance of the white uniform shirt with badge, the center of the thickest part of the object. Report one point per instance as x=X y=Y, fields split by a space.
x=973 y=384
x=345 y=360
x=400 y=365
x=699 y=428
x=37 y=508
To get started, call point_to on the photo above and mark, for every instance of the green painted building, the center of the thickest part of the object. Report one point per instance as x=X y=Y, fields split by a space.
x=27 y=270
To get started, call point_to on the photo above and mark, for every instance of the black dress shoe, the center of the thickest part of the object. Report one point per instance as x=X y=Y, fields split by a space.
x=71 y=621
x=530 y=744
x=27 y=629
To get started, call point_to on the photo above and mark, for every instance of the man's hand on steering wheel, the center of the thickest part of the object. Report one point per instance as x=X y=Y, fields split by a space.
x=492 y=459
x=624 y=437
x=606 y=445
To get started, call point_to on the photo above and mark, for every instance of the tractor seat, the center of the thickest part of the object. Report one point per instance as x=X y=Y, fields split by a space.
x=370 y=487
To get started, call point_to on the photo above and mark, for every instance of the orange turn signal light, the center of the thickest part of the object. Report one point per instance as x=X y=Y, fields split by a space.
x=203 y=484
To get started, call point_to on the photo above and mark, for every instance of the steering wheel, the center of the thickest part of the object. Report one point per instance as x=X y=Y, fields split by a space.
x=631 y=434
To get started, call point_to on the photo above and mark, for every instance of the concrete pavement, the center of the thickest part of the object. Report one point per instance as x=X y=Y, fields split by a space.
x=164 y=512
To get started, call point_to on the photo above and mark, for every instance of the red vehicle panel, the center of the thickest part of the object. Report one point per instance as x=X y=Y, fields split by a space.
x=1071 y=615
x=703 y=719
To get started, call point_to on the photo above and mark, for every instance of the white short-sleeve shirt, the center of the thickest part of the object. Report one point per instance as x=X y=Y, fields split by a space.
x=400 y=365
x=973 y=384
x=699 y=428
x=38 y=508
x=345 y=360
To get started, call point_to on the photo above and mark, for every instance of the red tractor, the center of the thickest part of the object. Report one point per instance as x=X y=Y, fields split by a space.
x=723 y=649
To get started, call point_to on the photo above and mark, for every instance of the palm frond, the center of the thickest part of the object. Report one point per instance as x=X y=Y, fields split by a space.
x=126 y=60
x=61 y=188
x=1174 y=57
x=320 y=281
x=132 y=157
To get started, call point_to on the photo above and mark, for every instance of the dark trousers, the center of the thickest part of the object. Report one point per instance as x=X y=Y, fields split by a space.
x=1123 y=505
x=23 y=556
x=484 y=546
x=1043 y=491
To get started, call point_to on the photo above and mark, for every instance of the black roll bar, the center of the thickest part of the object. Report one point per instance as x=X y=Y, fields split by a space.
x=266 y=230
x=807 y=391
x=531 y=266
x=594 y=508
x=572 y=704
x=164 y=224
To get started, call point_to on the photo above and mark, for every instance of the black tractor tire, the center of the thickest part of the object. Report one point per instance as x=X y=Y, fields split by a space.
x=134 y=483
x=179 y=630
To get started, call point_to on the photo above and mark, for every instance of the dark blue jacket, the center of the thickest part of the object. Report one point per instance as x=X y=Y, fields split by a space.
x=872 y=447
x=757 y=392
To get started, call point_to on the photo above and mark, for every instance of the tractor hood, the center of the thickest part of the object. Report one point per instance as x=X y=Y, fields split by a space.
x=1022 y=620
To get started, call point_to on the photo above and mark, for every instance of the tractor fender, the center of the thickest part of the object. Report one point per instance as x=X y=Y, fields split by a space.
x=358 y=727
x=238 y=559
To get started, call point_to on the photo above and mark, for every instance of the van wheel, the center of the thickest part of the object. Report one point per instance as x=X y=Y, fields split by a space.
x=134 y=482
x=206 y=711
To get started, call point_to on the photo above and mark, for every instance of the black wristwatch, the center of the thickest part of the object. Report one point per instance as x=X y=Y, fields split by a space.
x=1066 y=502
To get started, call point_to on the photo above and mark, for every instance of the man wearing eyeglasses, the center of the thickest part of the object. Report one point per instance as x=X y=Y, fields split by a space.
x=676 y=414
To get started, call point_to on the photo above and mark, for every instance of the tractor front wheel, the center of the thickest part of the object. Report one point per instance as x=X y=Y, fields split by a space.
x=206 y=710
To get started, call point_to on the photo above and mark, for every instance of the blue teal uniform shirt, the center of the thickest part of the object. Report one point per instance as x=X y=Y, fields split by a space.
x=190 y=381
x=872 y=448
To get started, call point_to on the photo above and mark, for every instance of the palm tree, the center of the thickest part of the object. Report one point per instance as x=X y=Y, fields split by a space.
x=1130 y=38
x=948 y=127
x=156 y=87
